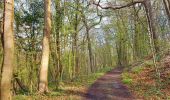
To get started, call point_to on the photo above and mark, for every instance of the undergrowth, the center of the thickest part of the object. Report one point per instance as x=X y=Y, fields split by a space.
x=142 y=81
x=67 y=90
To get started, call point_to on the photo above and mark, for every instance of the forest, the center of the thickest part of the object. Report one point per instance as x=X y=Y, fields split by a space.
x=84 y=49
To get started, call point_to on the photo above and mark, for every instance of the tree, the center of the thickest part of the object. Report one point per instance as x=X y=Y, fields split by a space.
x=167 y=8
x=43 y=81
x=58 y=31
x=149 y=13
x=75 y=39
x=88 y=27
x=8 y=58
x=152 y=24
x=1 y=22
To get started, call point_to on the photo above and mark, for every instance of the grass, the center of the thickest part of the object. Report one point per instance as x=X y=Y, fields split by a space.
x=137 y=70
x=69 y=90
x=87 y=80
x=126 y=78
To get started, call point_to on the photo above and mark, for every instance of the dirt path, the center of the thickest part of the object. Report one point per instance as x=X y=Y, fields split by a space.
x=109 y=87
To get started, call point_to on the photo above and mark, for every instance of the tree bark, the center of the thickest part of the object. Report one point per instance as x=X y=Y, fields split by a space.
x=58 y=30
x=152 y=24
x=137 y=35
x=8 y=60
x=20 y=84
x=88 y=41
x=75 y=47
x=167 y=8
x=1 y=23
x=90 y=50
x=43 y=82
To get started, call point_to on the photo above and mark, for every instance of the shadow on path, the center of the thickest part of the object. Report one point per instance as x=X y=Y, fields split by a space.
x=109 y=87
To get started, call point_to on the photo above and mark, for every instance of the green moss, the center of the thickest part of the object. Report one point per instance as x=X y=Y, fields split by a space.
x=126 y=79
x=57 y=93
x=148 y=63
x=137 y=69
x=19 y=97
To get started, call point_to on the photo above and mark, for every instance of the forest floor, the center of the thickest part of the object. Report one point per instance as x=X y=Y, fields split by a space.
x=104 y=85
x=136 y=82
x=146 y=82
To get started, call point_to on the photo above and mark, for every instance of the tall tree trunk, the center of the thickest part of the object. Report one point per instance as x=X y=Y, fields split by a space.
x=152 y=24
x=58 y=30
x=136 y=34
x=89 y=49
x=8 y=60
x=43 y=82
x=76 y=65
x=75 y=39
x=88 y=43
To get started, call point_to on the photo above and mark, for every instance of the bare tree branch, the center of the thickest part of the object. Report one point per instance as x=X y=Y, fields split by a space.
x=113 y=7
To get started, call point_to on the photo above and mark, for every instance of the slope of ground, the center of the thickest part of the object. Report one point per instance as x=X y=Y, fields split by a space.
x=144 y=80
